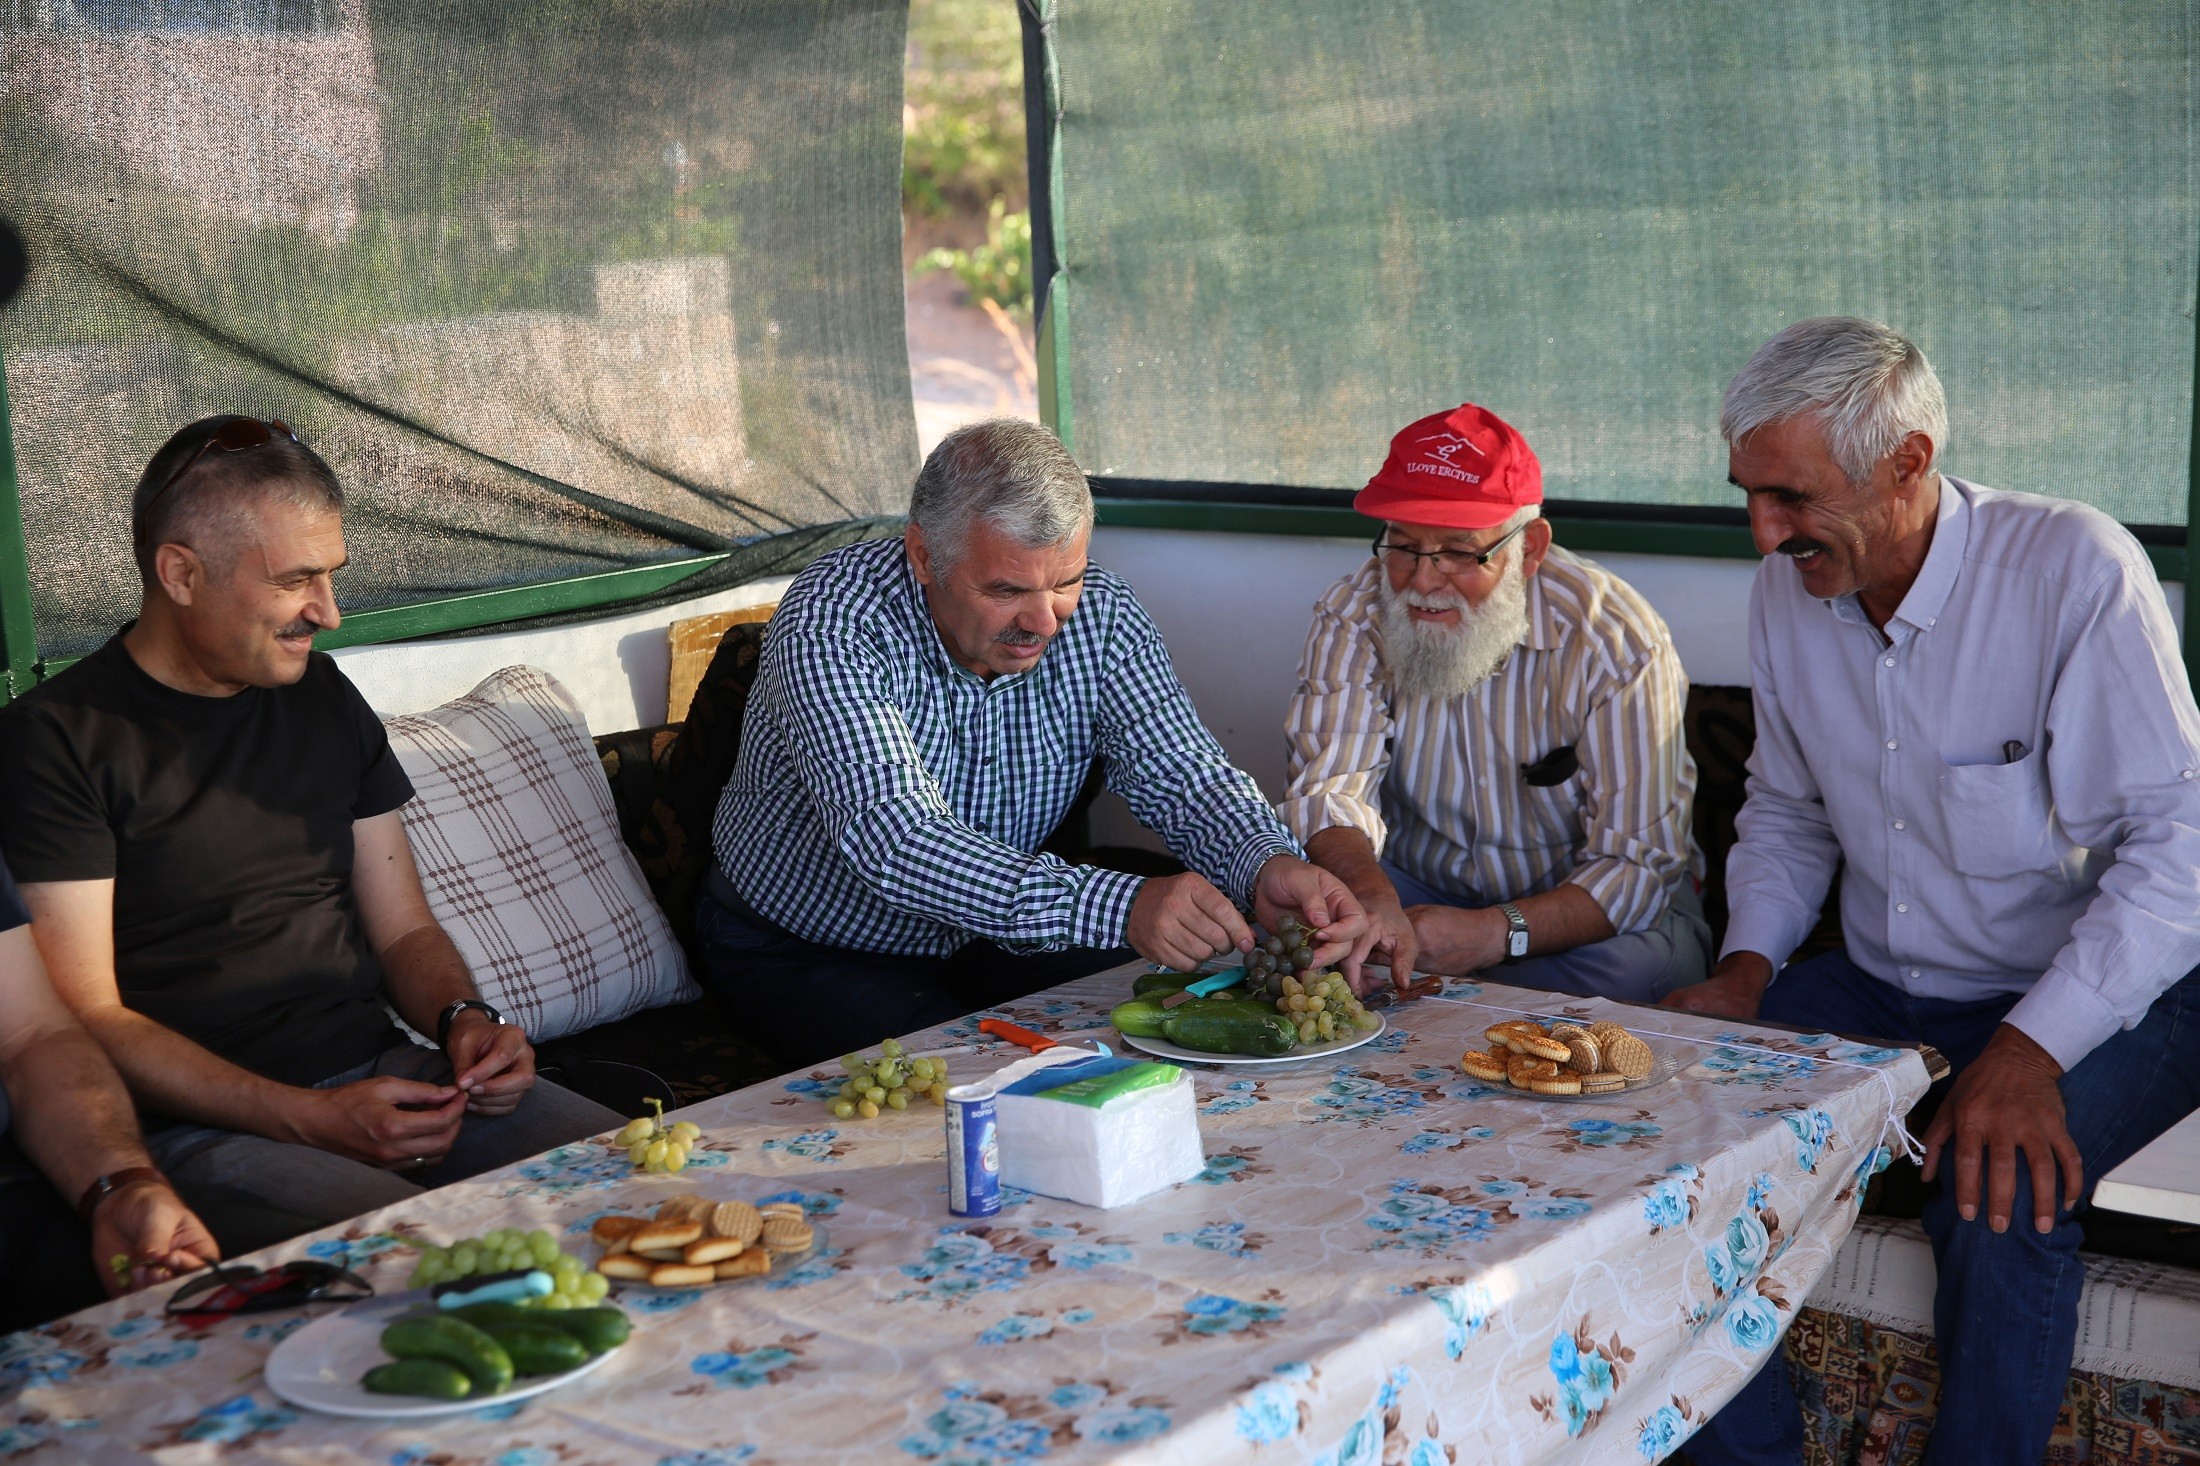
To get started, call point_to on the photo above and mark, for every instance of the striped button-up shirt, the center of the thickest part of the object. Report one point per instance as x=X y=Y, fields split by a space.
x=1436 y=783
x=2010 y=770
x=889 y=800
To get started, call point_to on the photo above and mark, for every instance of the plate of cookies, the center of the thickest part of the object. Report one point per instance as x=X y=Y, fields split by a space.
x=692 y=1241
x=1593 y=1063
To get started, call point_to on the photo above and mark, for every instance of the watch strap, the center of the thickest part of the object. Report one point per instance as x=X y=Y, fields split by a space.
x=1516 y=936
x=450 y=1015
x=105 y=1186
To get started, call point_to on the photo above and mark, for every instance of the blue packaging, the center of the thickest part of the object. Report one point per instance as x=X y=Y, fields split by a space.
x=973 y=1152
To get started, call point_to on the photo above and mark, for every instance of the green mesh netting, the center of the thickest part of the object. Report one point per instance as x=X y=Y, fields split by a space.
x=1287 y=228
x=558 y=286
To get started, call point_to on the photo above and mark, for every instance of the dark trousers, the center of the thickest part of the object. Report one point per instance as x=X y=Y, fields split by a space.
x=2005 y=1316
x=809 y=1003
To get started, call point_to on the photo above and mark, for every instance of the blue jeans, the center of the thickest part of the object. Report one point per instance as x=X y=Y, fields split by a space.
x=2005 y=1317
x=1633 y=967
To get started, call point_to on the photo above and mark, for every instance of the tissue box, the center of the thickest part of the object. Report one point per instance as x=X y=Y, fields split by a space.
x=1059 y=1137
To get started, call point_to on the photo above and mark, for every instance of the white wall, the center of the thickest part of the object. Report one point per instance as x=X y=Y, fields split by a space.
x=1234 y=608
x=616 y=668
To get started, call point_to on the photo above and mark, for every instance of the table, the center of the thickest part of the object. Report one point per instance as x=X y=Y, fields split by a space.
x=2162 y=1180
x=1380 y=1260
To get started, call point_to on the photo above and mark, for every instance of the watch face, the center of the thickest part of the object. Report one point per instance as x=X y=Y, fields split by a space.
x=1517 y=942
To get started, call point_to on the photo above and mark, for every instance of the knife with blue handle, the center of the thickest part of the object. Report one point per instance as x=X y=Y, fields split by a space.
x=519 y=1286
x=1204 y=986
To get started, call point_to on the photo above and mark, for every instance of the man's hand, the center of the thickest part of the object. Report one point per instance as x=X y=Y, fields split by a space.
x=1457 y=941
x=397 y=1124
x=2006 y=1101
x=1390 y=937
x=1181 y=921
x=1735 y=988
x=148 y=1224
x=1324 y=905
x=492 y=1062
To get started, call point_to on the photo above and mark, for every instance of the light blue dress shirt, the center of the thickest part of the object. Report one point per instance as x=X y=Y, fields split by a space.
x=2012 y=773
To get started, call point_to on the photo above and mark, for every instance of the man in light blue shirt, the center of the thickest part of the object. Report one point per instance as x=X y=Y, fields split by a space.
x=1975 y=700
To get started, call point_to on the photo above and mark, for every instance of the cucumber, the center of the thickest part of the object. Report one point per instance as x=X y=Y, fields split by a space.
x=454 y=1341
x=598 y=1329
x=538 y=1348
x=1140 y=1017
x=1162 y=983
x=1242 y=1028
x=430 y=1377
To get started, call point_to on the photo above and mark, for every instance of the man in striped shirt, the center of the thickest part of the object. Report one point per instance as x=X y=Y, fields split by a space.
x=1486 y=743
x=925 y=713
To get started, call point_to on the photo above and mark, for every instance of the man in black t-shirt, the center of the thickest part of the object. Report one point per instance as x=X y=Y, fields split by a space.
x=204 y=817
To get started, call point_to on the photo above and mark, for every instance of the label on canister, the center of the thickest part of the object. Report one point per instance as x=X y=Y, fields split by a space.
x=973 y=1153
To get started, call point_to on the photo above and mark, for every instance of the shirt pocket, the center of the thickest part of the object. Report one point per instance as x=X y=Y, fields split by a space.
x=2001 y=819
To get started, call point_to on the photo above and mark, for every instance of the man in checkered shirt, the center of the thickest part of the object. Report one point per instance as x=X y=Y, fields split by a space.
x=925 y=713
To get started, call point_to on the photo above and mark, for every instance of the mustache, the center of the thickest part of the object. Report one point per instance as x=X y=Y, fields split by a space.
x=1016 y=636
x=1799 y=546
x=300 y=627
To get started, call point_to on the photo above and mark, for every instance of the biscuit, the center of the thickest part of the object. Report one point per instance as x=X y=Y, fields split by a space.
x=607 y=1230
x=1537 y=1044
x=786 y=1234
x=664 y=1234
x=1564 y=1082
x=680 y=1275
x=1583 y=1056
x=1605 y=1083
x=712 y=1250
x=616 y=1245
x=750 y=1264
x=1566 y=1030
x=772 y=1209
x=1630 y=1056
x=661 y=1254
x=1497 y=1033
x=736 y=1219
x=1524 y=1071
x=1606 y=1031
x=624 y=1265
x=688 y=1206
x=1490 y=1067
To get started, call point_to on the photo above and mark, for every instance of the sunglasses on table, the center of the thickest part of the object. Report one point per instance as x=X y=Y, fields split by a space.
x=231 y=1288
x=231 y=437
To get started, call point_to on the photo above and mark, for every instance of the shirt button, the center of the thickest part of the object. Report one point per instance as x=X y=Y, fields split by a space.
x=1902 y=906
x=1890 y=661
x=2186 y=774
x=1914 y=972
x=1890 y=745
x=1900 y=826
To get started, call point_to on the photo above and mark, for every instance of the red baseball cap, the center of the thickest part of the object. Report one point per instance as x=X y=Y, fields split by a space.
x=1463 y=469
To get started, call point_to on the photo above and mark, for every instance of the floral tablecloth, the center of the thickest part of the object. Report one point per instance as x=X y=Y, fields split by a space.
x=1383 y=1261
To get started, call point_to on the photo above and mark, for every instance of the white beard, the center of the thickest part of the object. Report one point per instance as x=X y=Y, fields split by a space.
x=1433 y=660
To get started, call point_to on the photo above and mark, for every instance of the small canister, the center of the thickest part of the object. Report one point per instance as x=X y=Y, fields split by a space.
x=973 y=1152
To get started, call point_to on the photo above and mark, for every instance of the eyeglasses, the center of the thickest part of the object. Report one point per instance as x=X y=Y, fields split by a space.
x=1447 y=562
x=237 y=436
x=241 y=1288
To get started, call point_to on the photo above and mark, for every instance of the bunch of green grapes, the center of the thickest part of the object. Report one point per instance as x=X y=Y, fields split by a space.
x=508 y=1249
x=1320 y=1003
x=652 y=1145
x=887 y=1082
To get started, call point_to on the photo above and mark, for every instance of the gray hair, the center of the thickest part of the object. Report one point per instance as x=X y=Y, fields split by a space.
x=1013 y=474
x=1869 y=386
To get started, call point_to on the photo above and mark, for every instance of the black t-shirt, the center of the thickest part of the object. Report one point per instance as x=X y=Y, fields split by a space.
x=12 y=914
x=225 y=823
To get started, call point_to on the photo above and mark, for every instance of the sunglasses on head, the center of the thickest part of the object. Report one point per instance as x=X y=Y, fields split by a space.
x=231 y=1288
x=237 y=436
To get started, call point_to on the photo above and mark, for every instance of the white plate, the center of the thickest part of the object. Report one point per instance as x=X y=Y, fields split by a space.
x=320 y=1365
x=1161 y=1048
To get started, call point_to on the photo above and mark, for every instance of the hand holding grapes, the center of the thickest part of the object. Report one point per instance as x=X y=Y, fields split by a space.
x=143 y=1234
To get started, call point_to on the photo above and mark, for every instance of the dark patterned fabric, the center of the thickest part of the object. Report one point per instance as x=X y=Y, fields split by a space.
x=1869 y=1394
x=1721 y=730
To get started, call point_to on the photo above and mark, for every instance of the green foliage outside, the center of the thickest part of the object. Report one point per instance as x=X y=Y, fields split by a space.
x=963 y=145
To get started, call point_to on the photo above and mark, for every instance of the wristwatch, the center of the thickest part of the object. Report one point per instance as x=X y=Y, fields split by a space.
x=105 y=1186
x=1516 y=937
x=443 y=1024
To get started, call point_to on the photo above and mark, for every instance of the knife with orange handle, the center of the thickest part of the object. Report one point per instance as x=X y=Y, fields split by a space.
x=1025 y=1038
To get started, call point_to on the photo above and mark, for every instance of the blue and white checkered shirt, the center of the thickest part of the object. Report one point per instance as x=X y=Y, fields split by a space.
x=889 y=800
